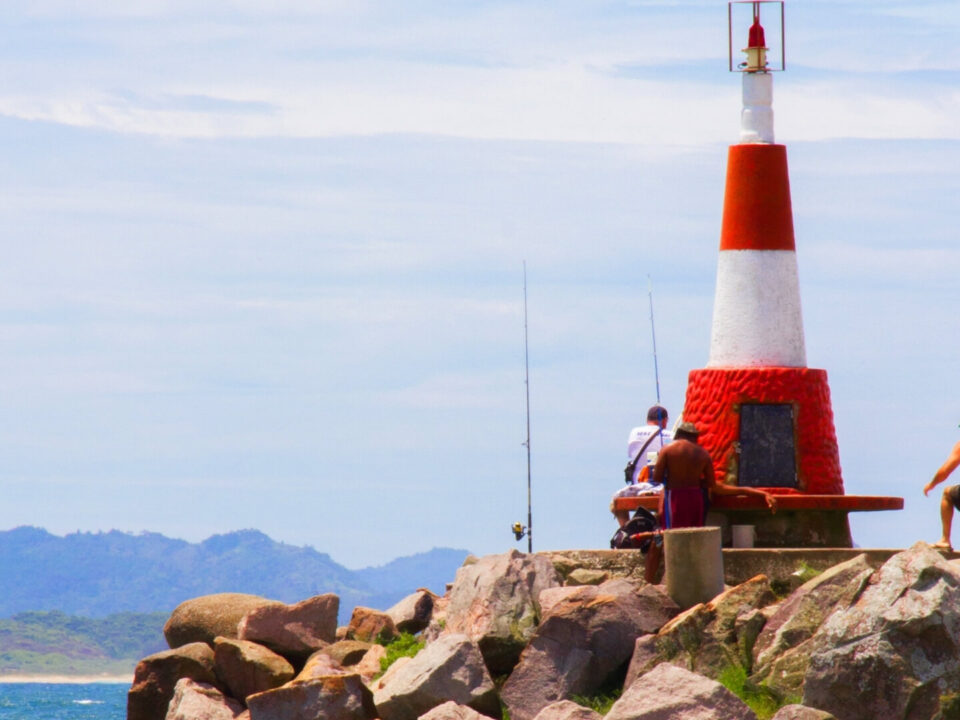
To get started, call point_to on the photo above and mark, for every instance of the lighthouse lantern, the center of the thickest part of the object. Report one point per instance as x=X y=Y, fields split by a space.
x=744 y=21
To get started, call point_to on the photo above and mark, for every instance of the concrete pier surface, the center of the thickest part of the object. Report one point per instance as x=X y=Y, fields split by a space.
x=739 y=565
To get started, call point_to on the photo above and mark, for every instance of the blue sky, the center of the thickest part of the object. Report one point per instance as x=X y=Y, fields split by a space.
x=263 y=266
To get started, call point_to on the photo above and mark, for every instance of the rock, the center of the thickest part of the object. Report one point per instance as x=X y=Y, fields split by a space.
x=585 y=576
x=412 y=614
x=385 y=679
x=318 y=665
x=204 y=618
x=246 y=668
x=347 y=652
x=551 y=596
x=294 y=631
x=369 y=664
x=200 y=701
x=341 y=633
x=671 y=693
x=450 y=668
x=332 y=697
x=801 y=712
x=156 y=676
x=567 y=710
x=451 y=711
x=584 y=643
x=495 y=602
x=781 y=651
x=896 y=650
x=704 y=638
x=370 y=625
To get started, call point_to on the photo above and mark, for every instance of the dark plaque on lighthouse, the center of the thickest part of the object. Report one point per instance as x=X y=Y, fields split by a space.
x=768 y=455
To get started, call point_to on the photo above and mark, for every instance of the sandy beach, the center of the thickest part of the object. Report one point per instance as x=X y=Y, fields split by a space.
x=68 y=679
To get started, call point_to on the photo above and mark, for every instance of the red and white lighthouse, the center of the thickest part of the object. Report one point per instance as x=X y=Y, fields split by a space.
x=764 y=416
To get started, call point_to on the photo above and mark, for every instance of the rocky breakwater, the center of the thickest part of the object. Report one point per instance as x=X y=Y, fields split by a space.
x=516 y=636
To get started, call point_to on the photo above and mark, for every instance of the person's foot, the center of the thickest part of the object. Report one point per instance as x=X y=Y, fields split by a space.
x=942 y=545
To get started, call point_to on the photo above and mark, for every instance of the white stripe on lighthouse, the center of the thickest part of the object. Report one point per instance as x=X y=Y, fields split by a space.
x=757 y=319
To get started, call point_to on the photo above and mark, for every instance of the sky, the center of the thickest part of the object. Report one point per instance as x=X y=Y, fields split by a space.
x=263 y=264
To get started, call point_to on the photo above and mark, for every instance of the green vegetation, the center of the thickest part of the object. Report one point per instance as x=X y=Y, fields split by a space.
x=949 y=707
x=601 y=702
x=405 y=645
x=758 y=697
x=56 y=643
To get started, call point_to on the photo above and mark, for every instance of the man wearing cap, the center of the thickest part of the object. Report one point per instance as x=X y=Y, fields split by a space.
x=686 y=471
x=950 y=498
x=645 y=439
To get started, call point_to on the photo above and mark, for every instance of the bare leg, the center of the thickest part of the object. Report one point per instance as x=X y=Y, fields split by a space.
x=652 y=566
x=946 y=520
x=623 y=516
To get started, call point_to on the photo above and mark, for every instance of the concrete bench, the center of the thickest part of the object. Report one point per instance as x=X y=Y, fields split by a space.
x=800 y=521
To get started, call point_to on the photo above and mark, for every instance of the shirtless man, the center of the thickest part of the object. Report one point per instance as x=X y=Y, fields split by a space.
x=686 y=471
x=950 y=498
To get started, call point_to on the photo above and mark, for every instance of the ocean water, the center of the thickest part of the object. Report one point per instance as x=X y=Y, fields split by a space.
x=42 y=701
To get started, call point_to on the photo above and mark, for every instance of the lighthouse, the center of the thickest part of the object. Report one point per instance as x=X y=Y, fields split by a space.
x=763 y=415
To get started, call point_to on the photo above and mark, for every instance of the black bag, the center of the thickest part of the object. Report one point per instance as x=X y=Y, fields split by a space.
x=632 y=465
x=642 y=521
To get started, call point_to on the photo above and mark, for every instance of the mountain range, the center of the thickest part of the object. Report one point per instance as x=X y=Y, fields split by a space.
x=99 y=574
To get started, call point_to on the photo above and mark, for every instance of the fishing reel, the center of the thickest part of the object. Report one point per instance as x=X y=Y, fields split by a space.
x=519 y=531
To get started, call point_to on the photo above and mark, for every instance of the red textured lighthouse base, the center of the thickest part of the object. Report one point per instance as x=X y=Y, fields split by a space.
x=716 y=395
x=715 y=399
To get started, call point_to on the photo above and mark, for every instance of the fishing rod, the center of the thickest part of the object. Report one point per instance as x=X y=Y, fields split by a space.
x=653 y=332
x=518 y=529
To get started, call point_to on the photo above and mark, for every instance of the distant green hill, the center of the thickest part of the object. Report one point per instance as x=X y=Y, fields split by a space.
x=97 y=602
x=98 y=574
x=55 y=643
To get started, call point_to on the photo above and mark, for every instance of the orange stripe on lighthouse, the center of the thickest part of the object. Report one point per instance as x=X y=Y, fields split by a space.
x=757 y=214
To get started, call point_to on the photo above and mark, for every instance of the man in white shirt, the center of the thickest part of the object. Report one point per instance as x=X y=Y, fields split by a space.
x=639 y=436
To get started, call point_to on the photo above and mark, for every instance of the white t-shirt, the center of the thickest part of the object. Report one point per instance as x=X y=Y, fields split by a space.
x=638 y=436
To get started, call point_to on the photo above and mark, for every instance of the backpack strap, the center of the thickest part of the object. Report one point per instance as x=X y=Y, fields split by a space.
x=632 y=465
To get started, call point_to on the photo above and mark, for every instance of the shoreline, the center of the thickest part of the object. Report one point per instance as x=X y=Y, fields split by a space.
x=66 y=679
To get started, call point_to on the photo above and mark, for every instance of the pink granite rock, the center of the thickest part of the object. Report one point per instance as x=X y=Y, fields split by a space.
x=294 y=631
x=201 y=619
x=200 y=701
x=671 y=693
x=156 y=677
x=332 y=697
x=369 y=625
x=246 y=668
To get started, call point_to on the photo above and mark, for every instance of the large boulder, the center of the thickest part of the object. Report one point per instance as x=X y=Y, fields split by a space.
x=708 y=637
x=495 y=602
x=156 y=676
x=246 y=668
x=330 y=697
x=584 y=643
x=671 y=693
x=567 y=710
x=347 y=652
x=318 y=665
x=782 y=650
x=896 y=650
x=451 y=711
x=201 y=619
x=199 y=701
x=294 y=631
x=370 y=665
x=450 y=668
x=369 y=625
x=412 y=614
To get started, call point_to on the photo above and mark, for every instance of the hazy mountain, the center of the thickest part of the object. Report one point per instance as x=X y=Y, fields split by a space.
x=98 y=574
